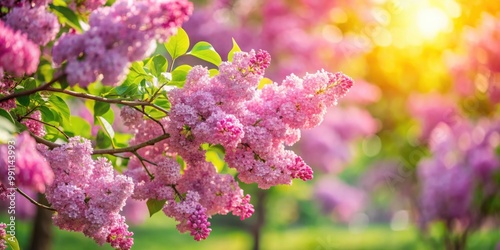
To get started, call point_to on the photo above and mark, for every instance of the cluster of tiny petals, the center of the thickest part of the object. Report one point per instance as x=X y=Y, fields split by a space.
x=120 y=238
x=252 y=125
x=3 y=244
x=253 y=131
x=131 y=117
x=118 y=35
x=198 y=223
x=18 y=55
x=88 y=194
x=34 y=124
x=6 y=88
x=87 y=5
x=24 y=3
x=463 y=156
x=41 y=31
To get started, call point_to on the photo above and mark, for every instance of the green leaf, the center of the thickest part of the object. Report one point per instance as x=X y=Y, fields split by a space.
x=213 y=72
x=80 y=126
x=103 y=140
x=235 y=48
x=155 y=206
x=12 y=241
x=159 y=66
x=126 y=88
x=178 y=44
x=264 y=81
x=206 y=52
x=106 y=126
x=7 y=126
x=68 y=14
x=47 y=114
x=179 y=75
x=60 y=106
x=6 y=115
x=100 y=108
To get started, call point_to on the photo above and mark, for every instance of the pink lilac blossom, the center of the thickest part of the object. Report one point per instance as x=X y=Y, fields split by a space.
x=326 y=146
x=463 y=158
x=432 y=109
x=6 y=88
x=118 y=35
x=88 y=194
x=34 y=125
x=339 y=198
x=38 y=24
x=24 y=3
x=86 y=5
x=250 y=123
x=481 y=64
x=131 y=117
x=3 y=233
x=3 y=192
x=33 y=172
x=18 y=55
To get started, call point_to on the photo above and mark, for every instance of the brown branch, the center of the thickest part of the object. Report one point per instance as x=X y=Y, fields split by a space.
x=31 y=91
x=45 y=142
x=132 y=149
x=104 y=99
x=48 y=124
x=34 y=201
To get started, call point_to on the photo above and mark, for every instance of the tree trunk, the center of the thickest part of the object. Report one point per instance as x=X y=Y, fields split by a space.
x=260 y=212
x=41 y=234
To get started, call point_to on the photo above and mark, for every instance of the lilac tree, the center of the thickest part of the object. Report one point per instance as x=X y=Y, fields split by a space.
x=57 y=58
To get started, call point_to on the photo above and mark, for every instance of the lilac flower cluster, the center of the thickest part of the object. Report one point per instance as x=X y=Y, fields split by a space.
x=33 y=171
x=6 y=88
x=118 y=35
x=86 y=6
x=253 y=125
x=38 y=24
x=3 y=245
x=23 y=3
x=34 y=125
x=18 y=55
x=88 y=195
x=463 y=160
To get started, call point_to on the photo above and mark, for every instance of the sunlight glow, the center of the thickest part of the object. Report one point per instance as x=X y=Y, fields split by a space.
x=431 y=21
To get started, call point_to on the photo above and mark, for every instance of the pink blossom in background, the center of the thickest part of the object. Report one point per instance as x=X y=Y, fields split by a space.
x=431 y=109
x=18 y=55
x=339 y=198
x=118 y=35
x=25 y=210
x=41 y=31
x=88 y=194
x=6 y=88
x=327 y=146
x=464 y=155
x=135 y=212
x=34 y=171
x=365 y=93
x=34 y=125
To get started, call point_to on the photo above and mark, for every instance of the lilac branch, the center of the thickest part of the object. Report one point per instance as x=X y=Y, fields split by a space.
x=107 y=100
x=31 y=91
x=36 y=203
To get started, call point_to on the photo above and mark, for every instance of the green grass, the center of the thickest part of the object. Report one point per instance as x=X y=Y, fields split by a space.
x=159 y=233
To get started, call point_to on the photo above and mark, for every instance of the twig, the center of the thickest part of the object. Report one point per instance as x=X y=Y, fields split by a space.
x=132 y=149
x=48 y=124
x=104 y=99
x=31 y=91
x=34 y=201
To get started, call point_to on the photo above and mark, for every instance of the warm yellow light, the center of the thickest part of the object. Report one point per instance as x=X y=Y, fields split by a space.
x=431 y=21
